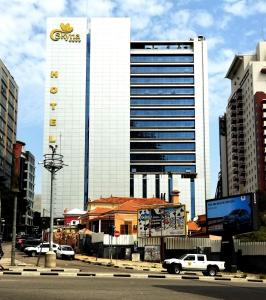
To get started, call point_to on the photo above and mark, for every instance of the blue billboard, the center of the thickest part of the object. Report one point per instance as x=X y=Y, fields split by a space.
x=230 y=215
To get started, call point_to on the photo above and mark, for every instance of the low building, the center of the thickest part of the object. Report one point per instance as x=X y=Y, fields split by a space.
x=119 y=213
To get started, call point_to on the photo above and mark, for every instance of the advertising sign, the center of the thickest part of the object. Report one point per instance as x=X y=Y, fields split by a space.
x=232 y=214
x=162 y=221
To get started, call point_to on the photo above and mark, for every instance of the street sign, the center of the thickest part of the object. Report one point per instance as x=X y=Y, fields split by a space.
x=116 y=233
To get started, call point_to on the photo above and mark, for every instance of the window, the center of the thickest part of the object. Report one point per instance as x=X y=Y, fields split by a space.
x=161 y=58
x=163 y=157
x=162 y=146
x=190 y=257
x=160 y=123
x=162 y=135
x=163 y=168
x=155 y=79
x=161 y=69
x=200 y=258
x=162 y=101
x=162 y=91
x=162 y=112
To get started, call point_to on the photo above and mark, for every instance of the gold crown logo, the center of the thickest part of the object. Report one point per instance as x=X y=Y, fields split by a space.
x=66 y=27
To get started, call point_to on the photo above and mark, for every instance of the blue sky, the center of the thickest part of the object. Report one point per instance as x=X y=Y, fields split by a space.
x=230 y=27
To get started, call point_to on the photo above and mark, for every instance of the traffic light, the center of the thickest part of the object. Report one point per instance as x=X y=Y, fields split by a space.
x=45 y=222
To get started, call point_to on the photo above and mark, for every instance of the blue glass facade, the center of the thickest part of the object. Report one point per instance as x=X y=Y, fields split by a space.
x=168 y=79
x=163 y=157
x=163 y=112
x=162 y=58
x=162 y=91
x=162 y=146
x=162 y=69
x=162 y=135
x=162 y=101
x=162 y=168
x=159 y=124
x=165 y=81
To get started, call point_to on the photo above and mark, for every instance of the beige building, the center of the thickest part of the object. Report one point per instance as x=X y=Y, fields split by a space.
x=8 y=121
x=242 y=127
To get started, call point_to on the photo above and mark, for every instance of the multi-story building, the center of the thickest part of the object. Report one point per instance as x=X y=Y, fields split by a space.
x=130 y=117
x=8 y=122
x=242 y=128
x=27 y=193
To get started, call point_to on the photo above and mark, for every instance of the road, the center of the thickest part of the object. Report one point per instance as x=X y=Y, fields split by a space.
x=74 y=264
x=43 y=288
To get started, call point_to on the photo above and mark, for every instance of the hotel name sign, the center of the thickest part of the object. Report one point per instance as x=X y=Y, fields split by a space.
x=65 y=33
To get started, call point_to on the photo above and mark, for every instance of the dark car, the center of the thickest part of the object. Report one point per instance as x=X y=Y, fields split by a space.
x=237 y=220
x=30 y=243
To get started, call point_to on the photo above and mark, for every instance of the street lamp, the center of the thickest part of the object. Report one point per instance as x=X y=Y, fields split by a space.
x=53 y=163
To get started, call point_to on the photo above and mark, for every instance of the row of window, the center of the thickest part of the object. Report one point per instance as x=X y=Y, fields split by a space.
x=162 y=146
x=162 y=91
x=149 y=79
x=163 y=157
x=162 y=101
x=160 y=168
x=163 y=112
x=161 y=58
x=161 y=69
x=161 y=123
x=162 y=135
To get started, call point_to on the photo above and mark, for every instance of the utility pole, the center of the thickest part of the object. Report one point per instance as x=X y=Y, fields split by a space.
x=15 y=188
x=53 y=163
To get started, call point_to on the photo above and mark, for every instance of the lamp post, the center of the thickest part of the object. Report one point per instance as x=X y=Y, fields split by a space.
x=53 y=163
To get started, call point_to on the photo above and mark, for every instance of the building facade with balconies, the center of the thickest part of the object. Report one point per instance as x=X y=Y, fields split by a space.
x=242 y=127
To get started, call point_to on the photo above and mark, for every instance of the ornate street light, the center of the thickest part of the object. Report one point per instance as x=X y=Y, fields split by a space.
x=53 y=163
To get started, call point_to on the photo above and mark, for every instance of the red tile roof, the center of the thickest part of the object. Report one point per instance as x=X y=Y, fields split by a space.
x=115 y=200
x=99 y=210
x=137 y=203
x=192 y=226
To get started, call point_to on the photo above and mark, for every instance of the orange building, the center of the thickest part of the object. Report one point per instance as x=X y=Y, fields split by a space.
x=120 y=212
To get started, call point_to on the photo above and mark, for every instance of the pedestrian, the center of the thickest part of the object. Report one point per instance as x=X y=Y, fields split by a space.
x=1 y=255
x=1 y=251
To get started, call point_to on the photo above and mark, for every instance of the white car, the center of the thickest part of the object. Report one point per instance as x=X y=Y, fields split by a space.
x=65 y=251
x=40 y=249
x=193 y=262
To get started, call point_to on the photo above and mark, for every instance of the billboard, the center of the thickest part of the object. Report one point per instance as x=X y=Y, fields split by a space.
x=232 y=214
x=162 y=221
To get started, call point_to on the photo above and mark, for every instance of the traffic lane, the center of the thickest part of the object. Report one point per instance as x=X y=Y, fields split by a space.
x=43 y=288
x=74 y=264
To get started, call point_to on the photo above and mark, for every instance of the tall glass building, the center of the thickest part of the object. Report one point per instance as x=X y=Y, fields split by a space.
x=133 y=117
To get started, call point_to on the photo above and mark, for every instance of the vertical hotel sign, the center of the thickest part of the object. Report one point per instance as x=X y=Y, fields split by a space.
x=63 y=34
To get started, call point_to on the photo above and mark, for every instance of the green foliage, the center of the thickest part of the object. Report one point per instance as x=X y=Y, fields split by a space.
x=255 y=236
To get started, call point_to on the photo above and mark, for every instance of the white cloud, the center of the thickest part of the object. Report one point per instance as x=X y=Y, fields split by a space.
x=244 y=8
x=203 y=19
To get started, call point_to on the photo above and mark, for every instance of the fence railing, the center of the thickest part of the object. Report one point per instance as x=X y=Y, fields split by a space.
x=250 y=248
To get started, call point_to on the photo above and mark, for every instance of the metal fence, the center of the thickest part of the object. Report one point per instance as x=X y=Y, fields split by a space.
x=182 y=243
x=250 y=248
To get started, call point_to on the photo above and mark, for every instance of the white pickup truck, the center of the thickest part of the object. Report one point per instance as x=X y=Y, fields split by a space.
x=193 y=262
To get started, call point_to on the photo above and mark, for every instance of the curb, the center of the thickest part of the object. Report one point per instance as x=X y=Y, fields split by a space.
x=126 y=275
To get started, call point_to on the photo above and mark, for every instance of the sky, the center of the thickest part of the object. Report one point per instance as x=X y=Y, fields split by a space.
x=230 y=26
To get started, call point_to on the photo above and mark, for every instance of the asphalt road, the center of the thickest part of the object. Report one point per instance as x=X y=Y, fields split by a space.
x=43 y=288
x=75 y=264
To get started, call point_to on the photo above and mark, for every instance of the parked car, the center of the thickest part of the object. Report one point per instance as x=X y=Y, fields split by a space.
x=65 y=251
x=29 y=243
x=237 y=220
x=195 y=262
x=40 y=249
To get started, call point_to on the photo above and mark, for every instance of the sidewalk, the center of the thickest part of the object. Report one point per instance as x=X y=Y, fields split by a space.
x=141 y=265
x=5 y=262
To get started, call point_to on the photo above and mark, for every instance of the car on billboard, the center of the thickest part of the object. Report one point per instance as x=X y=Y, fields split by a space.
x=237 y=219
x=233 y=214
